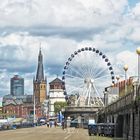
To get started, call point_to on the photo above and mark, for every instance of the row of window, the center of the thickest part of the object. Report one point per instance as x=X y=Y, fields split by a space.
x=40 y=86
x=56 y=87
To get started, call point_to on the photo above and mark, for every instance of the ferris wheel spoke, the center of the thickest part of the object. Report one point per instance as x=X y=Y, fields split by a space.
x=90 y=67
x=89 y=96
x=73 y=76
x=94 y=65
x=76 y=89
x=102 y=77
x=73 y=86
x=96 y=90
x=103 y=83
x=83 y=69
x=92 y=70
x=79 y=61
x=101 y=72
x=72 y=80
x=86 y=93
x=74 y=70
x=79 y=71
x=84 y=65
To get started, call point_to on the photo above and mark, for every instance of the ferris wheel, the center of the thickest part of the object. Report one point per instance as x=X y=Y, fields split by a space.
x=86 y=73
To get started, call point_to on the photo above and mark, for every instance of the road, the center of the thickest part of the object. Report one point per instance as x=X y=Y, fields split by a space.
x=44 y=133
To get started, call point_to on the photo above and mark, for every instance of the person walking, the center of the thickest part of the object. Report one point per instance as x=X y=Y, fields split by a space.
x=48 y=124
x=63 y=124
x=55 y=123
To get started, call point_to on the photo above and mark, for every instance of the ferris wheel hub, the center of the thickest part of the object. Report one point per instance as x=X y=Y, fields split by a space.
x=89 y=80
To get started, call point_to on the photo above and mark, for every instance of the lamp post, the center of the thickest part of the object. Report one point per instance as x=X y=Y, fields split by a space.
x=125 y=69
x=118 y=78
x=105 y=98
x=138 y=52
x=34 y=111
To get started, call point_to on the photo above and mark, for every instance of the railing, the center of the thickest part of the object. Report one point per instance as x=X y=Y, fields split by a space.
x=80 y=109
x=126 y=101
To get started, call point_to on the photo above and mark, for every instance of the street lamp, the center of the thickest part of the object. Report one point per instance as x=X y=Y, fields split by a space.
x=105 y=98
x=34 y=121
x=138 y=52
x=125 y=69
x=118 y=78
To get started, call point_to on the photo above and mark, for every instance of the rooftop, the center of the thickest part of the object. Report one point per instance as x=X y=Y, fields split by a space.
x=57 y=80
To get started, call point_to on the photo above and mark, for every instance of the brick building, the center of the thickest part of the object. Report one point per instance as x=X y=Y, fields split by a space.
x=19 y=109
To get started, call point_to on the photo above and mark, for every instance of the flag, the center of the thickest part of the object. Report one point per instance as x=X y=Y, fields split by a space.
x=60 y=117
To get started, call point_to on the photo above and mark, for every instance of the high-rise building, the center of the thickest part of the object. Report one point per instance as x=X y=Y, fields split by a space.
x=39 y=82
x=17 y=86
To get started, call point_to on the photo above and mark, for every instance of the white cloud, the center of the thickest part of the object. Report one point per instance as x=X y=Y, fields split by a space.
x=24 y=45
x=110 y=26
x=135 y=34
x=60 y=12
x=136 y=10
x=129 y=58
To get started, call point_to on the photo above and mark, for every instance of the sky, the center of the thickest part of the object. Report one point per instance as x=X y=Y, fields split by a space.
x=62 y=27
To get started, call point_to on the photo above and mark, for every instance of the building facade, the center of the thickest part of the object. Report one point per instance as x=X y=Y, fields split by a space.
x=112 y=93
x=40 y=82
x=20 y=109
x=17 y=86
x=56 y=94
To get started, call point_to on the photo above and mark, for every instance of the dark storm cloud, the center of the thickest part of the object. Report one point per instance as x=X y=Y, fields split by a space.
x=16 y=66
x=75 y=33
x=4 y=31
x=54 y=69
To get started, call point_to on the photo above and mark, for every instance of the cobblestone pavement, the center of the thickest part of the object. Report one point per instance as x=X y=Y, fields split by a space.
x=44 y=133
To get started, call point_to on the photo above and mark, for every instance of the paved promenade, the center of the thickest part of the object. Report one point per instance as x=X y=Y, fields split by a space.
x=44 y=133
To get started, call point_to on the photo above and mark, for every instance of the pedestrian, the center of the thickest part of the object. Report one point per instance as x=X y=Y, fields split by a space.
x=63 y=125
x=48 y=124
x=55 y=123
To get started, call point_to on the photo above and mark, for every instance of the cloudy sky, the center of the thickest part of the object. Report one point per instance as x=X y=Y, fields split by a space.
x=63 y=26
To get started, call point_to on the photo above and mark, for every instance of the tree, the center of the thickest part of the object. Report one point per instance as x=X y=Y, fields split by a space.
x=58 y=106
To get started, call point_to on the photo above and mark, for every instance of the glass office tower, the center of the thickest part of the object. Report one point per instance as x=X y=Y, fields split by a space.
x=17 y=86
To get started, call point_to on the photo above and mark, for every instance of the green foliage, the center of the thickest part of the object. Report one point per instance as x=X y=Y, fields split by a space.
x=58 y=106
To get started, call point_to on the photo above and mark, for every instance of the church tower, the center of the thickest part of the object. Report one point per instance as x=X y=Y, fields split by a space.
x=39 y=82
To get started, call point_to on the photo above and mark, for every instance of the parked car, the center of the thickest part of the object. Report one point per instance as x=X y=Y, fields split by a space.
x=101 y=129
x=109 y=129
x=74 y=123
x=92 y=129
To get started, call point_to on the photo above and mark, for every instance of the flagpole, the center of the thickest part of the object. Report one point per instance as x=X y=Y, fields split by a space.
x=34 y=110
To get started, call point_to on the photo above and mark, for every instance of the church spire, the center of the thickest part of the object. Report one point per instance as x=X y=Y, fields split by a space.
x=40 y=70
